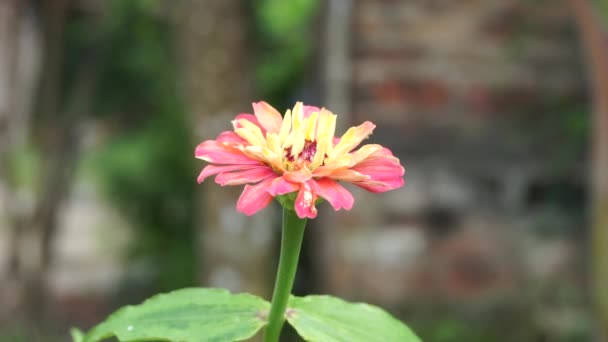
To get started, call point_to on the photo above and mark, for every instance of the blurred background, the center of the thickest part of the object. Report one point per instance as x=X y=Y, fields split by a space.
x=497 y=108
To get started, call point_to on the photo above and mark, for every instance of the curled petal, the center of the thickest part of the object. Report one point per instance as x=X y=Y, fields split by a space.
x=298 y=176
x=243 y=177
x=259 y=153
x=384 y=171
x=250 y=132
x=348 y=175
x=305 y=202
x=219 y=153
x=268 y=117
x=280 y=186
x=363 y=153
x=326 y=128
x=308 y=110
x=325 y=170
x=231 y=138
x=285 y=126
x=353 y=137
x=334 y=193
x=377 y=186
x=210 y=170
x=244 y=116
x=254 y=198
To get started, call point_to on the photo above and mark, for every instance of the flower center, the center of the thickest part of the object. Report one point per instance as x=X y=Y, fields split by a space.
x=308 y=152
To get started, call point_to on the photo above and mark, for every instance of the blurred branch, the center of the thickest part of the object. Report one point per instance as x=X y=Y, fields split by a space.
x=594 y=37
x=59 y=109
x=30 y=269
x=10 y=20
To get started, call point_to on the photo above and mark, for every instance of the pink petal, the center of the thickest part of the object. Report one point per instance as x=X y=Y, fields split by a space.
x=348 y=175
x=268 y=117
x=280 y=186
x=210 y=170
x=324 y=171
x=341 y=173
x=231 y=138
x=219 y=153
x=305 y=202
x=381 y=186
x=254 y=198
x=352 y=138
x=334 y=193
x=298 y=176
x=308 y=110
x=384 y=170
x=249 y=117
x=243 y=177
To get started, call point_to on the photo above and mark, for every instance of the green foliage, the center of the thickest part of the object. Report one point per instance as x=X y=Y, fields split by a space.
x=283 y=19
x=186 y=315
x=138 y=72
x=146 y=168
x=152 y=185
x=77 y=335
x=602 y=6
x=326 y=319
x=199 y=314
x=23 y=163
x=284 y=44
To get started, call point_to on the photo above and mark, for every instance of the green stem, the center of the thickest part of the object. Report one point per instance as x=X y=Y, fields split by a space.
x=291 y=241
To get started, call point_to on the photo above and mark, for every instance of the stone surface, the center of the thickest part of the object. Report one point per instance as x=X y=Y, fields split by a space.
x=464 y=92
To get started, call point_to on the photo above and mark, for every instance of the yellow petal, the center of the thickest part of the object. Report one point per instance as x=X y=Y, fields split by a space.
x=285 y=127
x=253 y=152
x=273 y=143
x=250 y=132
x=297 y=117
x=319 y=156
x=252 y=137
x=325 y=130
x=351 y=139
x=296 y=136
x=363 y=152
x=311 y=126
x=298 y=143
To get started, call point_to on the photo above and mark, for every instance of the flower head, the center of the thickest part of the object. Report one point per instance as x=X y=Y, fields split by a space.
x=297 y=156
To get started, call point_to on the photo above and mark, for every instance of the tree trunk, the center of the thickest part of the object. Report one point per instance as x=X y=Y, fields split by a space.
x=9 y=38
x=59 y=108
x=595 y=41
x=11 y=20
x=214 y=55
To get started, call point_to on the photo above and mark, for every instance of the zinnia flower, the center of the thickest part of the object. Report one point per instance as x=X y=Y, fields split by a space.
x=297 y=156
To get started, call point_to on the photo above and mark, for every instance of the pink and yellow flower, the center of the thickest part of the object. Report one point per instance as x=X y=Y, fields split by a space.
x=297 y=154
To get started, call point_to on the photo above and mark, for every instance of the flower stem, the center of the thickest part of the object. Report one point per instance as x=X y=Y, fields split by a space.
x=291 y=241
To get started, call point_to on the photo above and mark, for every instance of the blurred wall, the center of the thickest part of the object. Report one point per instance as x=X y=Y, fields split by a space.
x=483 y=101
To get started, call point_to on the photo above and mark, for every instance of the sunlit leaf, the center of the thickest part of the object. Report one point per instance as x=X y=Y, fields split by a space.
x=328 y=319
x=186 y=315
x=77 y=335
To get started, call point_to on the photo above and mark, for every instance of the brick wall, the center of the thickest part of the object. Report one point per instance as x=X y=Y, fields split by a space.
x=472 y=96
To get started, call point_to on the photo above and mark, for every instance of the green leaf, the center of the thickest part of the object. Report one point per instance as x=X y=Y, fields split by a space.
x=327 y=319
x=195 y=314
x=77 y=335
